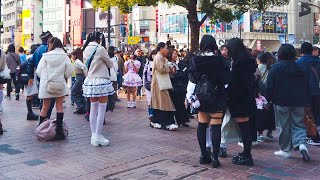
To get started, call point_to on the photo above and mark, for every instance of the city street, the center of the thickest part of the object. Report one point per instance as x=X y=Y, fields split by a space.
x=136 y=151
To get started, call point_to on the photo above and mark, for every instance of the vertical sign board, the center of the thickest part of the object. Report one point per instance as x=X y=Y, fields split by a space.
x=76 y=22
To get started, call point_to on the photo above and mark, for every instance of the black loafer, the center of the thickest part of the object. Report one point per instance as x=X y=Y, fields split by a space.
x=215 y=163
x=242 y=160
x=205 y=159
x=223 y=152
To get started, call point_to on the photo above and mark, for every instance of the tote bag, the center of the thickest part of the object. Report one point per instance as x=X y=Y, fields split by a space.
x=164 y=81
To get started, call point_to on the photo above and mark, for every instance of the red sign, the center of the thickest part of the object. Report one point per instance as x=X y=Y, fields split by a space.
x=76 y=22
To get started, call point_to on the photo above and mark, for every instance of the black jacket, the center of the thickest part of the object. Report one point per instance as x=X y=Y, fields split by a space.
x=243 y=88
x=287 y=85
x=218 y=73
x=180 y=79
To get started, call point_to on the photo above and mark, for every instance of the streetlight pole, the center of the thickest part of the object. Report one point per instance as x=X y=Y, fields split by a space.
x=285 y=26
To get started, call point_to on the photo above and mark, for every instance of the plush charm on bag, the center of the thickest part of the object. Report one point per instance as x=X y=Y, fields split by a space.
x=46 y=131
x=261 y=102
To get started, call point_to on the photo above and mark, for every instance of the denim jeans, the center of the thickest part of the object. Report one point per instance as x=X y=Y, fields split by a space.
x=292 y=129
x=73 y=80
x=76 y=92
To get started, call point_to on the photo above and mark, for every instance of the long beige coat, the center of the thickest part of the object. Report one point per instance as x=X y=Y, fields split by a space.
x=160 y=100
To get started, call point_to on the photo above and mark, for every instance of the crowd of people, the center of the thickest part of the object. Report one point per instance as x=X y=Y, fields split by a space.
x=233 y=83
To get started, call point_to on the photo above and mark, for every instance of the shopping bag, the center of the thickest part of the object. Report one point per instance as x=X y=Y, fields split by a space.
x=230 y=132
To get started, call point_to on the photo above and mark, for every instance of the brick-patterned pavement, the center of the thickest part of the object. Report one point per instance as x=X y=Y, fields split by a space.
x=136 y=151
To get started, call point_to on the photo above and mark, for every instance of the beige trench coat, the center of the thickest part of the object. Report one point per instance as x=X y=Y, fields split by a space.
x=160 y=100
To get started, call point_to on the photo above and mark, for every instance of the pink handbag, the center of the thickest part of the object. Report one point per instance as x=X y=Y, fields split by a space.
x=46 y=131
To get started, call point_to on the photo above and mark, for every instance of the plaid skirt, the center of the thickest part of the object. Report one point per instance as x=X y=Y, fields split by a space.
x=97 y=87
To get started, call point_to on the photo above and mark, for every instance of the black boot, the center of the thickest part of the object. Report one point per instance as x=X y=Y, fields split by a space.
x=201 y=134
x=31 y=115
x=17 y=96
x=216 y=140
x=59 y=129
x=42 y=119
x=244 y=158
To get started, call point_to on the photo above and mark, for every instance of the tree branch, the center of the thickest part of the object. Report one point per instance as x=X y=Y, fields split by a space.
x=202 y=20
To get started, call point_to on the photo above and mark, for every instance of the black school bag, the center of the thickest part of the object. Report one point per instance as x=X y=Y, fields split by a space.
x=205 y=91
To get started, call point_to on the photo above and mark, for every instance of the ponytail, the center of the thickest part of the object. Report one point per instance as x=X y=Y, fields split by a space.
x=95 y=36
x=89 y=39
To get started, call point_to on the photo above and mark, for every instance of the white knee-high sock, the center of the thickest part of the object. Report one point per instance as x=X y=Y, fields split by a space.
x=101 y=115
x=93 y=116
x=208 y=137
x=1 y=96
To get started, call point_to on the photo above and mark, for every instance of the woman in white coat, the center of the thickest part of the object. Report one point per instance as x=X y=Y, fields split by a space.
x=53 y=69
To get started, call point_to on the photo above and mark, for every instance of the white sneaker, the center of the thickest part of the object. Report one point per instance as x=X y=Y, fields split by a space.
x=260 y=138
x=314 y=143
x=240 y=144
x=133 y=105
x=171 y=127
x=283 y=154
x=304 y=153
x=155 y=125
x=129 y=104
x=100 y=140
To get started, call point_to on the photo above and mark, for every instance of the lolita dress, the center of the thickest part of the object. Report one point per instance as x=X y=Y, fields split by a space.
x=132 y=78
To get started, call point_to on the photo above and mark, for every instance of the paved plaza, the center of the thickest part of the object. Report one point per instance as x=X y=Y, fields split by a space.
x=136 y=151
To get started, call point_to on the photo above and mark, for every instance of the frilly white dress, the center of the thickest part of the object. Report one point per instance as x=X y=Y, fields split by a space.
x=132 y=78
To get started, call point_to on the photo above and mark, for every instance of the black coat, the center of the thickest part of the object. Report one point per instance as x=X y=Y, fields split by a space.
x=180 y=79
x=218 y=73
x=287 y=85
x=243 y=89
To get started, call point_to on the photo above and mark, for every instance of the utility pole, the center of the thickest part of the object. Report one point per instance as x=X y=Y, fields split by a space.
x=109 y=26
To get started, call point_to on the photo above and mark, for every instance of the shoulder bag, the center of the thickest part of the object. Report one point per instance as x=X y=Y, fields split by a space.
x=54 y=87
x=164 y=81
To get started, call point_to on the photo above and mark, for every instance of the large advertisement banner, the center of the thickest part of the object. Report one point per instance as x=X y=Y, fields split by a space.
x=177 y=23
x=268 y=22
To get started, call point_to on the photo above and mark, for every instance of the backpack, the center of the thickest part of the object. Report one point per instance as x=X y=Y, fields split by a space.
x=205 y=91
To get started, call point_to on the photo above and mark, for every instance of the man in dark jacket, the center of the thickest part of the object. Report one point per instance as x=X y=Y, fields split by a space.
x=289 y=92
x=33 y=64
x=311 y=65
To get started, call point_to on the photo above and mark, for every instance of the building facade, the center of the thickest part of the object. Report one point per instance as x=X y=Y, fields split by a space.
x=12 y=22
x=54 y=17
x=259 y=30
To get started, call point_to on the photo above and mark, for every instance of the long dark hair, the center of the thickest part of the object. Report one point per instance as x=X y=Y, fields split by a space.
x=78 y=54
x=11 y=48
x=237 y=50
x=153 y=52
x=266 y=58
x=56 y=43
x=97 y=37
x=208 y=44
x=111 y=51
